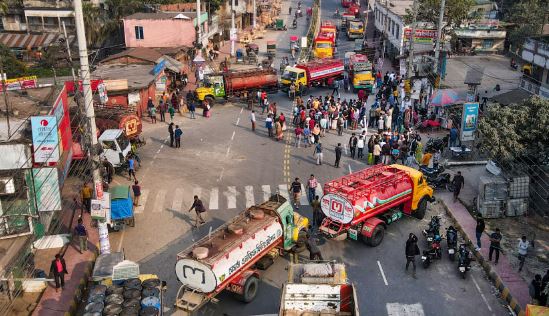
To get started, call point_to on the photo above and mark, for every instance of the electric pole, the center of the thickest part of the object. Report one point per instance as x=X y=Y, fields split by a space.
x=198 y=24
x=439 y=36
x=254 y=15
x=412 y=38
x=233 y=30
x=90 y=115
x=5 y=92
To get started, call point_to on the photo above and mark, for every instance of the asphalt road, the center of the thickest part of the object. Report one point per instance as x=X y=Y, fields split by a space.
x=230 y=168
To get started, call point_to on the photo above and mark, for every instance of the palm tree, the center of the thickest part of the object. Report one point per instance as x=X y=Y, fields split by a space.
x=93 y=24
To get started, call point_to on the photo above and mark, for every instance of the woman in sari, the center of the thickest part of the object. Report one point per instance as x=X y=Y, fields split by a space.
x=278 y=130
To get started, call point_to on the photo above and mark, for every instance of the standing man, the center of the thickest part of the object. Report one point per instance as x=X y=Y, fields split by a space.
x=311 y=188
x=522 y=251
x=459 y=183
x=360 y=146
x=192 y=109
x=318 y=153
x=131 y=167
x=352 y=145
x=317 y=212
x=412 y=250
x=479 y=230
x=338 y=151
x=296 y=192
x=177 y=133
x=252 y=120
x=535 y=289
x=136 y=188
x=453 y=137
x=87 y=196
x=336 y=88
x=544 y=289
x=199 y=209
x=171 y=131
x=162 y=109
x=82 y=234
x=495 y=239
x=314 y=251
x=58 y=268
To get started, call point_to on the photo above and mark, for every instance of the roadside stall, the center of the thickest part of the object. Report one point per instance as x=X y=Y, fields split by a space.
x=121 y=209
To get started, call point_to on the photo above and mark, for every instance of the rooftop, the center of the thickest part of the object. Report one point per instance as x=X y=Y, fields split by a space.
x=162 y=16
x=138 y=76
x=144 y=53
x=397 y=7
x=512 y=97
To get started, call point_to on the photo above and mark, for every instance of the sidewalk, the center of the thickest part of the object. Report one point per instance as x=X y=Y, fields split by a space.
x=512 y=286
x=79 y=267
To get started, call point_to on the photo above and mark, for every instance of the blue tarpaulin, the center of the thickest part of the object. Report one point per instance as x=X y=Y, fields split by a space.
x=121 y=202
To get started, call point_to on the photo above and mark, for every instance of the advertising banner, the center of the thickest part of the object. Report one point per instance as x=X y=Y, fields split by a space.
x=45 y=139
x=97 y=212
x=337 y=208
x=469 y=121
x=20 y=83
x=422 y=36
x=46 y=189
x=104 y=243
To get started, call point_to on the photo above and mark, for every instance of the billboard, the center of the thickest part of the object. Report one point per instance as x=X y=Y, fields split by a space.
x=45 y=139
x=469 y=121
x=46 y=189
x=422 y=36
x=20 y=83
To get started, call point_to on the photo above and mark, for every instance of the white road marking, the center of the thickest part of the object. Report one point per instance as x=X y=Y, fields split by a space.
x=177 y=199
x=161 y=146
x=303 y=199
x=345 y=147
x=398 y=309
x=283 y=190
x=249 y=193
x=121 y=241
x=232 y=137
x=214 y=199
x=221 y=175
x=481 y=294
x=142 y=201
x=237 y=121
x=266 y=192
x=382 y=273
x=158 y=151
x=231 y=197
x=228 y=150
x=241 y=109
x=159 y=201
x=350 y=170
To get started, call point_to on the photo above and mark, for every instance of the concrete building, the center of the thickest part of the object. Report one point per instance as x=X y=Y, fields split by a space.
x=150 y=29
x=536 y=52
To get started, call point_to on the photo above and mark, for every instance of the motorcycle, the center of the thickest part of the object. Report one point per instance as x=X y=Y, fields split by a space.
x=442 y=181
x=434 y=144
x=464 y=260
x=433 y=252
x=294 y=24
x=432 y=230
x=451 y=242
x=431 y=173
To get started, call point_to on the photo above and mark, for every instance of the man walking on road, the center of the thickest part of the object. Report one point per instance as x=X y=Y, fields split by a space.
x=479 y=230
x=495 y=239
x=58 y=268
x=199 y=209
x=171 y=131
x=352 y=144
x=459 y=183
x=311 y=188
x=296 y=192
x=86 y=197
x=522 y=251
x=136 y=188
x=177 y=133
x=412 y=250
x=131 y=168
x=317 y=212
x=252 y=120
x=338 y=152
x=82 y=234
x=318 y=153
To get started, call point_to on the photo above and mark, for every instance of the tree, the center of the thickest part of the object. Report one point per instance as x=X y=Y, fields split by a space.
x=515 y=133
x=94 y=24
x=12 y=66
x=528 y=16
x=455 y=13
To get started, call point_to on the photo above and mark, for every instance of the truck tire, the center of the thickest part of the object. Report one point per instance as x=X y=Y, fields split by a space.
x=250 y=290
x=377 y=236
x=421 y=209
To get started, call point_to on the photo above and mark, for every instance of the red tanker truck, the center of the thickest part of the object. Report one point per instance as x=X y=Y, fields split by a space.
x=362 y=204
x=313 y=73
x=233 y=83
x=225 y=258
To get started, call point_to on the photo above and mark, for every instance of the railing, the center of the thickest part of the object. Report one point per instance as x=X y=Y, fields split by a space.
x=305 y=53
x=530 y=85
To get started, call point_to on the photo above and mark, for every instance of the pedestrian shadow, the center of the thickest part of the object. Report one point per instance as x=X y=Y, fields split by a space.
x=158 y=140
x=186 y=217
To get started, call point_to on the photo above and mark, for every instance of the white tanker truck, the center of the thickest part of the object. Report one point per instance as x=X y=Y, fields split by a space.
x=226 y=258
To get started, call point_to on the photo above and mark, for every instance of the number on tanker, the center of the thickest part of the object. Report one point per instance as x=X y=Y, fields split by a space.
x=337 y=207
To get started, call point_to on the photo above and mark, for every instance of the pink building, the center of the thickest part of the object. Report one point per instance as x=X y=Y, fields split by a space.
x=162 y=29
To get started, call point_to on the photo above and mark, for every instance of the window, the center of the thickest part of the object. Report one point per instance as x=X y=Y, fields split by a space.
x=397 y=32
x=139 y=32
x=487 y=43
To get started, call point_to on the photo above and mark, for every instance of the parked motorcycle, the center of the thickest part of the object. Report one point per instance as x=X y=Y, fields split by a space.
x=431 y=173
x=433 y=252
x=294 y=24
x=451 y=242
x=442 y=181
x=464 y=260
x=432 y=230
x=434 y=144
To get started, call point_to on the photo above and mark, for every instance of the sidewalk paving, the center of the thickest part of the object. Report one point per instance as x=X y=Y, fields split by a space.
x=79 y=267
x=512 y=286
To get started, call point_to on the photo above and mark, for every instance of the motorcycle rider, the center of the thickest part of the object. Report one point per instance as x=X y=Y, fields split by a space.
x=412 y=250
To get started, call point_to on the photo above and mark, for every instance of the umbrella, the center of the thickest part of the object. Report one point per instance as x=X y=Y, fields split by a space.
x=445 y=97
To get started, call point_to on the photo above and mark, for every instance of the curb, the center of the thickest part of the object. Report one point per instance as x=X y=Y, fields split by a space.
x=82 y=284
x=505 y=293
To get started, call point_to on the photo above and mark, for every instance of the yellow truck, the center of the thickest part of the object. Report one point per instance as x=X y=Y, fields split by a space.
x=361 y=72
x=355 y=29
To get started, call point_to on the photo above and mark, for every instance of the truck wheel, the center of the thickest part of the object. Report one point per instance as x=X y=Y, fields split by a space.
x=421 y=209
x=377 y=236
x=210 y=101
x=250 y=290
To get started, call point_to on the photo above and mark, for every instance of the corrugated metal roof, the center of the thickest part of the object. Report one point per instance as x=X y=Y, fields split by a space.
x=30 y=41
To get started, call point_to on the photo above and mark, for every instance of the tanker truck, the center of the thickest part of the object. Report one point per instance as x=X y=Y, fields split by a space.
x=223 y=86
x=363 y=204
x=226 y=259
x=313 y=73
x=318 y=288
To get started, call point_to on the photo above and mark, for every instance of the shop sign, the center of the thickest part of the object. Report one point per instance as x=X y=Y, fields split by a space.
x=45 y=139
x=422 y=36
x=469 y=121
x=337 y=208
x=97 y=211
x=46 y=189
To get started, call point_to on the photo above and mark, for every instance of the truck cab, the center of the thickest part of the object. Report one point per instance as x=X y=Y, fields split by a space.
x=214 y=87
x=355 y=29
x=116 y=147
x=361 y=71
x=324 y=45
x=293 y=74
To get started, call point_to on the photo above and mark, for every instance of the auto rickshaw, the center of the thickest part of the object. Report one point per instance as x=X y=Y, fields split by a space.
x=271 y=48
x=294 y=42
x=279 y=25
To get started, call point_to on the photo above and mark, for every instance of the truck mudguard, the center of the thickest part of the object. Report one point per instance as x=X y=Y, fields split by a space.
x=369 y=226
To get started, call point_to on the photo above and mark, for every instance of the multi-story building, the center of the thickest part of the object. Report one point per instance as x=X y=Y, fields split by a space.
x=536 y=52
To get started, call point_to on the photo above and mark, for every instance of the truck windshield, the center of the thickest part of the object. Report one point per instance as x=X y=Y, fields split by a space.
x=323 y=45
x=122 y=141
x=289 y=75
x=355 y=26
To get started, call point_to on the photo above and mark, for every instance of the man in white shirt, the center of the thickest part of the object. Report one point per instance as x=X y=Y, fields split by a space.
x=522 y=251
x=360 y=147
x=252 y=119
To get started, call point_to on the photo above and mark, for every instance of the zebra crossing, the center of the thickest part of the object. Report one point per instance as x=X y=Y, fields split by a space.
x=216 y=198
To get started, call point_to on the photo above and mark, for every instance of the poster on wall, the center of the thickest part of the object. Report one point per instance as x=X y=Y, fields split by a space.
x=46 y=189
x=134 y=98
x=45 y=139
x=469 y=121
